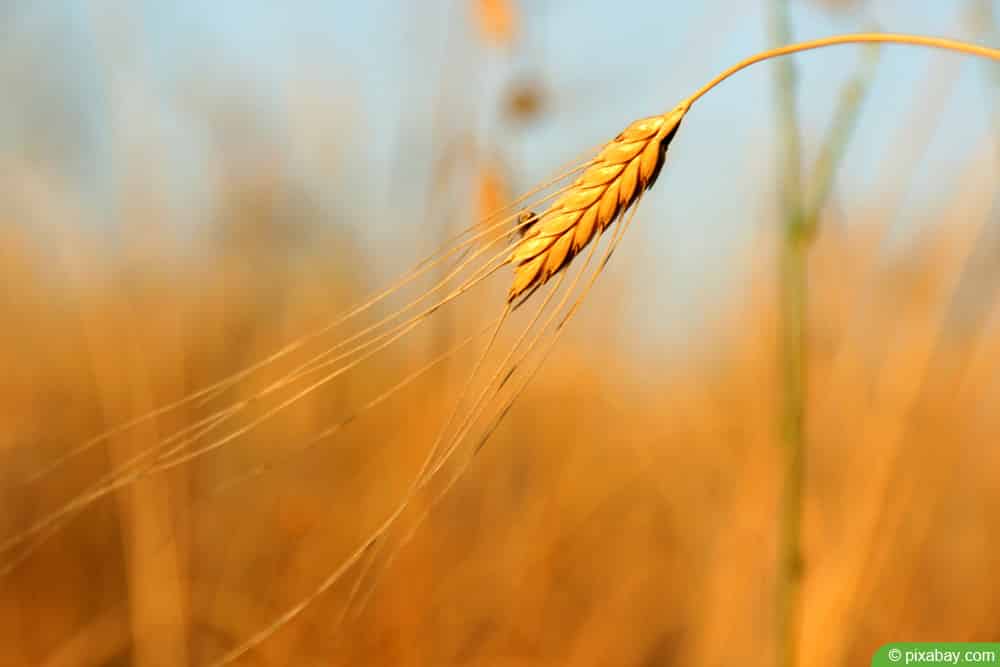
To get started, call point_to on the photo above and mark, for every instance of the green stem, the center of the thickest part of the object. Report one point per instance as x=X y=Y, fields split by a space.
x=792 y=352
x=787 y=116
x=838 y=137
x=791 y=345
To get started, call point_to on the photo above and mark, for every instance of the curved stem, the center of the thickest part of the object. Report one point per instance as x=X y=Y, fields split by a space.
x=854 y=38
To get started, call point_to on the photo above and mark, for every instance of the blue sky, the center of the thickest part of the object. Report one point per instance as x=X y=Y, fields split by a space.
x=115 y=73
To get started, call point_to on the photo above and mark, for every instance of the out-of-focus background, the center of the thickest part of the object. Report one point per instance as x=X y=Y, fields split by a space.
x=186 y=187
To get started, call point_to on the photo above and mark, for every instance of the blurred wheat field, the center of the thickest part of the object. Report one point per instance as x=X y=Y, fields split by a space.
x=625 y=510
x=617 y=516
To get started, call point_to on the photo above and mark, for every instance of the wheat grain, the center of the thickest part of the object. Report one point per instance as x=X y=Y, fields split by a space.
x=627 y=166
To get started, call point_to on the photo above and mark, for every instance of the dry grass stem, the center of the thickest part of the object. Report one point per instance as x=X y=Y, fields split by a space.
x=492 y=194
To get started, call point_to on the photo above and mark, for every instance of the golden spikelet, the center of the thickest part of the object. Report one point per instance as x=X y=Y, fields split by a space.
x=623 y=169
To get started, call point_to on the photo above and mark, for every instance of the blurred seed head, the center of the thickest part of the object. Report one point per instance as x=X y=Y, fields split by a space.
x=524 y=101
x=497 y=21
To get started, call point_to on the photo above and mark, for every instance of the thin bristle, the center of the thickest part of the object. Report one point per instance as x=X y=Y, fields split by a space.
x=625 y=167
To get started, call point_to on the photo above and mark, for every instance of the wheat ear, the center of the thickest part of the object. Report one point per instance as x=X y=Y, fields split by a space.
x=625 y=167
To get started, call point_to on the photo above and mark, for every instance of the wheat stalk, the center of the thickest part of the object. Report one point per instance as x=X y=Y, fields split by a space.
x=630 y=163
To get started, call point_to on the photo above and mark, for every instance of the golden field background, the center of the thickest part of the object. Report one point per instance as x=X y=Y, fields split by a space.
x=617 y=517
x=623 y=514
